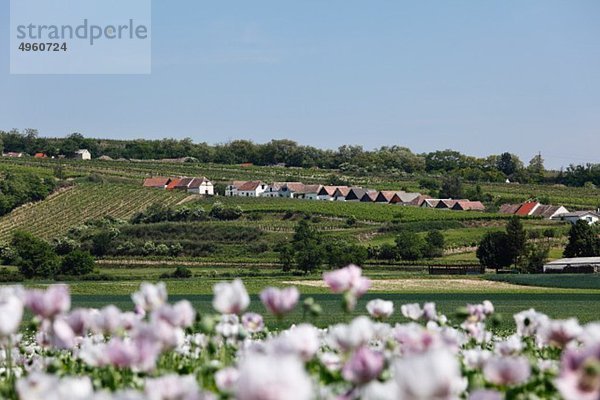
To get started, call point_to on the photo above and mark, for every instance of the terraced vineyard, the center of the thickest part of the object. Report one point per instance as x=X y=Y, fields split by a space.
x=55 y=215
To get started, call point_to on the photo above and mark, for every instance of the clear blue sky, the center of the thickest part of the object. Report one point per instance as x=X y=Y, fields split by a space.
x=481 y=77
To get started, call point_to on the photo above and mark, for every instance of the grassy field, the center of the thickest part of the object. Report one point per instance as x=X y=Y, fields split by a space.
x=576 y=281
x=449 y=293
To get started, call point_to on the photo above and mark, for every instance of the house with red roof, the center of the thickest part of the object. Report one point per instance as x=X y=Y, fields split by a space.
x=157 y=182
x=251 y=189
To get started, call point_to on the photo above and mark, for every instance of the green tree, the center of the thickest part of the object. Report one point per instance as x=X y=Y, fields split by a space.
x=452 y=187
x=534 y=258
x=516 y=239
x=434 y=244
x=77 y=262
x=509 y=163
x=410 y=246
x=34 y=256
x=340 y=253
x=491 y=251
x=583 y=241
x=308 y=249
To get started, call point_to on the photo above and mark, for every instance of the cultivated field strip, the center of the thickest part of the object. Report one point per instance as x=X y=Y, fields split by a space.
x=55 y=215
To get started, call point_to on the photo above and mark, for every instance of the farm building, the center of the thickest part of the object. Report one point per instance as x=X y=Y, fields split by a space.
x=467 y=205
x=417 y=201
x=40 y=155
x=183 y=184
x=83 y=154
x=356 y=193
x=291 y=189
x=341 y=193
x=201 y=186
x=174 y=182
x=328 y=192
x=232 y=188
x=385 y=196
x=408 y=199
x=310 y=192
x=576 y=264
x=533 y=209
x=272 y=190
x=369 y=197
x=591 y=217
x=158 y=182
x=251 y=189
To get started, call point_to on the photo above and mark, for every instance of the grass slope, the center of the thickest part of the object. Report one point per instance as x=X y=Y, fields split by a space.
x=55 y=215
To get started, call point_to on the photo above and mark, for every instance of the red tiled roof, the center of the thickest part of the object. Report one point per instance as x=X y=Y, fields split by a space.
x=249 y=186
x=329 y=190
x=197 y=182
x=295 y=186
x=468 y=205
x=509 y=208
x=385 y=196
x=40 y=155
x=526 y=208
x=174 y=182
x=158 y=181
x=184 y=183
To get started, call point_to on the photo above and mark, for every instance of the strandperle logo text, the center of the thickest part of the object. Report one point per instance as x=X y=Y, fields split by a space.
x=84 y=31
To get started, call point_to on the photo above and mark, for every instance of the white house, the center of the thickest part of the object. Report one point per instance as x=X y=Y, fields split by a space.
x=591 y=217
x=310 y=192
x=83 y=154
x=327 y=192
x=232 y=188
x=201 y=186
x=341 y=193
x=291 y=189
x=272 y=190
x=251 y=189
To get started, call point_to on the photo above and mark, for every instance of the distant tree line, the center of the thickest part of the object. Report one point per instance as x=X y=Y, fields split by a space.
x=355 y=159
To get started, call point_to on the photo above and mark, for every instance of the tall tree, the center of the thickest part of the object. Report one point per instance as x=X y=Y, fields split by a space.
x=508 y=163
x=583 y=241
x=307 y=246
x=491 y=251
x=516 y=239
x=452 y=187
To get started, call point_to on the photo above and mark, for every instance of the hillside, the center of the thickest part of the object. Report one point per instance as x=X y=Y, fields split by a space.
x=55 y=215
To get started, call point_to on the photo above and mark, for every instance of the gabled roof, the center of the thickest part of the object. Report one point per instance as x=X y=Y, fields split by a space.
x=468 y=205
x=294 y=186
x=431 y=202
x=356 y=193
x=403 y=197
x=158 y=181
x=184 y=183
x=312 y=188
x=509 y=208
x=385 y=196
x=249 y=186
x=546 y=211
x=237 y=184
x=40 y=155
x=173 y=183
x=527 y=208
x=369 y=197
x=341 y=191
x=81 y=151
x=446 y=203
x=329 y=190
x=419 y=200
x=197 y=182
